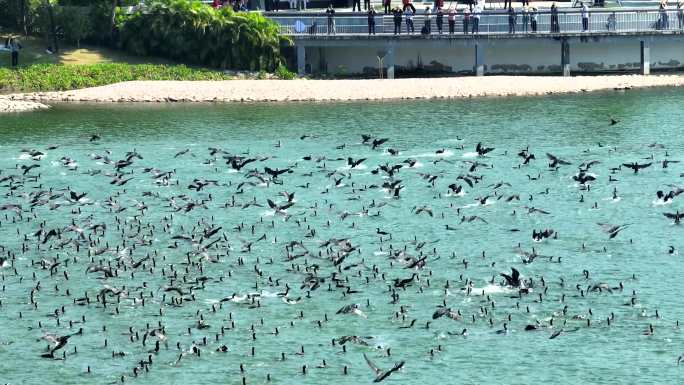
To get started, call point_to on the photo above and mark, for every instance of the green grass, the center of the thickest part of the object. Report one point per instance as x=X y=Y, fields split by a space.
x=33 y=52
x=84 y=67
x=57 y=77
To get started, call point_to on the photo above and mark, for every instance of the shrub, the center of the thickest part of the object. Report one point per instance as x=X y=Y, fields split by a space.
x=283 y=73
x=191 y=32
x=56 y=77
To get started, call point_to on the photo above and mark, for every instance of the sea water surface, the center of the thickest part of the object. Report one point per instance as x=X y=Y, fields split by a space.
x=332 y=202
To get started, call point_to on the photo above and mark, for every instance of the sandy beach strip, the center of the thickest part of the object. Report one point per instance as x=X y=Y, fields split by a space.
x=348 y=90
x=7 y=105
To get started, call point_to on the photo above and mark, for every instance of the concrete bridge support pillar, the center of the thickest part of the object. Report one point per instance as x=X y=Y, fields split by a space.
x=301 y=60
x=645 y=58
x=565 y=57
x=389 y=60
x=479 y=58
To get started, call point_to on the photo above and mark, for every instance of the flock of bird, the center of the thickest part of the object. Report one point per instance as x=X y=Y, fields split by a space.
x=356 y=264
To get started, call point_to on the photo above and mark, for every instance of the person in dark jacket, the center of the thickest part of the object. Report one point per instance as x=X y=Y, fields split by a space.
x=14 y=47
x=371 y=21
x=397 y=16
x=512 y=20
x=387 y=4
x=555 y=26
x=439 y=19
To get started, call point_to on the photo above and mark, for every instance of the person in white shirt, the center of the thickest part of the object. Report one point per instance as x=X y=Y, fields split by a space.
x=584 y=11
x=476 y=18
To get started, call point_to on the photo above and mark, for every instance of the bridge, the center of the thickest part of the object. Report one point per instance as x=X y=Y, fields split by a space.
x=616 y=40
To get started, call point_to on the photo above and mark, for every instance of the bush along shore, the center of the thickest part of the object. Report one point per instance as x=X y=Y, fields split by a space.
x=191 y=32
x=57 y=77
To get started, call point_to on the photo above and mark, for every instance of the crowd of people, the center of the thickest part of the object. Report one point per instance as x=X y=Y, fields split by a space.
x=524 y=19
x=237 y=5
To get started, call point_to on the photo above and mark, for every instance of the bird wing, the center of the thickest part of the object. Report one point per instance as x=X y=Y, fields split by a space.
x=515 y=274
x=607 y=227
x=372 y=365
x=397 y=366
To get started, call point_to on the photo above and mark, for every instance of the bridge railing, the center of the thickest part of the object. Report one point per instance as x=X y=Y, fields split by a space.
x=489 y=23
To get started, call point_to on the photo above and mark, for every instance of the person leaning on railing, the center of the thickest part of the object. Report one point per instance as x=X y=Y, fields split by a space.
x=439 y=19
x=452 y=20
x=533 y=19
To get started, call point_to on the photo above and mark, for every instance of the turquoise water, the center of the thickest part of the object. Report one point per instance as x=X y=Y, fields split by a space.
x=143 y=215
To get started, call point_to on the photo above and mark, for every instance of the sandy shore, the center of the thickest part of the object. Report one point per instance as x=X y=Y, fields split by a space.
x=344 y=90
x=7 y=105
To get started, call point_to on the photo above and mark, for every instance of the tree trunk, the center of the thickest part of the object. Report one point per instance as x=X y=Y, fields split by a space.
x=53 y=27
x=112 y=21
x=22 y=15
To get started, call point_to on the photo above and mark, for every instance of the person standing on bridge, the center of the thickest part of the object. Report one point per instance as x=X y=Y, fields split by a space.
x=356 y=4
x=452 y=20
x=331 y=19
x=440 y=20
x=371 y=21
x=584 y=11
x=396 y=15
x=680 y=14
x=476 y=18
x=664 y=22
x=388 y=6
x=533 y=19
x=525 y=18
x=366 y=5
x=466 y=20
x=428 y=21
x=555 y=26
x=512 y=20
x=408 y=14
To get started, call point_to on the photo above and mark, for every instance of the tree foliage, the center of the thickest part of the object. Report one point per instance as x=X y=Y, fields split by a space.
x=191 y=32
